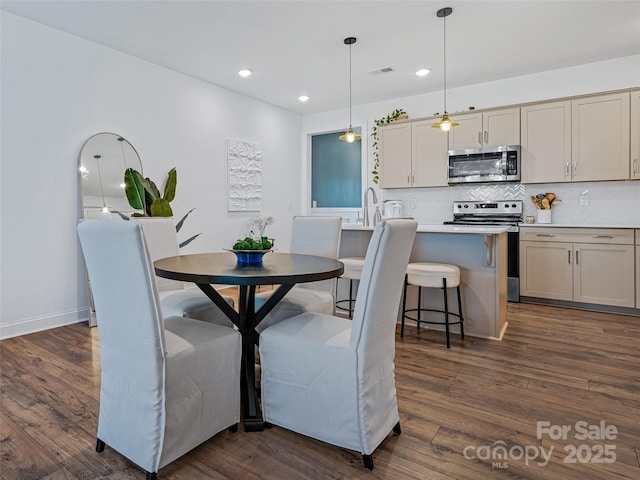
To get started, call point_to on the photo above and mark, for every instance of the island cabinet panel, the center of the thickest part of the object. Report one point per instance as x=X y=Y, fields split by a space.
x=600 y=137
x=583 y=265
x=635 y=135
x=412 y=155
x=637 y=268
x=491 y=128
x=546 y=142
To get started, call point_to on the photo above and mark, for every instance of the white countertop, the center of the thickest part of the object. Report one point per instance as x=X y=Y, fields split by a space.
x=437 y=228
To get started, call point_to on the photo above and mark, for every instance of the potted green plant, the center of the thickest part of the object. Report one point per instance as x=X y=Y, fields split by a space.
x=143 y=194
x=397 y=114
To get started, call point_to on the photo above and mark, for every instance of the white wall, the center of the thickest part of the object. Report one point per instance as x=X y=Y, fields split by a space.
x=433 y=205
x=57 y=91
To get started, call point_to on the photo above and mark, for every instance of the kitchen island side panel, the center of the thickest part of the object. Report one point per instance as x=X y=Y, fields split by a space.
x=483 y=287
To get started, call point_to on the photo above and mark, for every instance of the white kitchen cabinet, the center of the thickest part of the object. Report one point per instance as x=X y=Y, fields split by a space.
x=546 y=142
x=412 y=154
x=600 y=137
x=578 y=264
x=394 y=149
x=635 y=135
x=491 y=128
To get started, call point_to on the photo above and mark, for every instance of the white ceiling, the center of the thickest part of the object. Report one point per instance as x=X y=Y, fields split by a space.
x=296 y=47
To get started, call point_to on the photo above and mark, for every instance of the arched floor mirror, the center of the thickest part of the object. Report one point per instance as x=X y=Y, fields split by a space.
x=103 y=159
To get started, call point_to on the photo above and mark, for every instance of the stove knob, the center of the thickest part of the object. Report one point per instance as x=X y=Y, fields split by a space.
x=459 y=206
x=466 y=206
x=506 y=205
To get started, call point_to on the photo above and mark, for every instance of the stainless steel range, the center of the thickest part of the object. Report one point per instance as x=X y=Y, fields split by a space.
x=499 y=212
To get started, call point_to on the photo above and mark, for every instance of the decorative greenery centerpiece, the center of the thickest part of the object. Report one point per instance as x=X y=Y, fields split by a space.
x=397 y=114
x=251 y=249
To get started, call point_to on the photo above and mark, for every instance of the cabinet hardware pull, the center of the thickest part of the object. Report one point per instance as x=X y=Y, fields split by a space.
x=575 y=169
x=566 y=169
x=577 y=260
x=486 y=137
x=569 y=257
x=409 y=178
x=413 y=178
x=545 y=234
x=480 y=138
x=635 y=165
x=603 y=236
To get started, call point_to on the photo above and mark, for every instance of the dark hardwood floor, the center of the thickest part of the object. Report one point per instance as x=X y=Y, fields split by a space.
x=457 y=408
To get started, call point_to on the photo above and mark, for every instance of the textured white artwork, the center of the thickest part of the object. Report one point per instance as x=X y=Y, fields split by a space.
x=244 y=176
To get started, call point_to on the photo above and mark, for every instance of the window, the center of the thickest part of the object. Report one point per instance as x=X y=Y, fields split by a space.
x=336 y=172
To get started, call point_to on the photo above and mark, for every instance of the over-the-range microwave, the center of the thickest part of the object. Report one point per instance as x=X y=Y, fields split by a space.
x=490 y=164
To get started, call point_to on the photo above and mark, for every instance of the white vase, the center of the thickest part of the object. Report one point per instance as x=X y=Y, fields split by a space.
x=544 y=216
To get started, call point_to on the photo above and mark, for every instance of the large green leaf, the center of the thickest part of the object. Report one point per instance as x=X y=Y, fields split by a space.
x=133 y=189
x=161 y=208
x=170 y=186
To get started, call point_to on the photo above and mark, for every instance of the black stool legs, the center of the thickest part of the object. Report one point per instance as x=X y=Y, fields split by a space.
x=446 y=311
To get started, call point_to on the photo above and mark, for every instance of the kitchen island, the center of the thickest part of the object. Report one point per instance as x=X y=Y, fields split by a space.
x=481 y=254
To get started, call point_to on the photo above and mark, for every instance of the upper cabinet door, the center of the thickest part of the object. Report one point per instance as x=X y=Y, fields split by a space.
x=546 y=143
x=501 y=127
x=429 y=148
x=600 y=137
x=635 y=136
x=395 y=155
x=468 y=134
x=489 y=129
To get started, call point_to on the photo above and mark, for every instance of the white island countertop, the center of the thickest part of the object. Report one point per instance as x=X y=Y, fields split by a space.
x=437 y=228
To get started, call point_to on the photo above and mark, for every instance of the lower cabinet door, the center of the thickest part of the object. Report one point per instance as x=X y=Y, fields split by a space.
x=546 y=270
x=604 y=274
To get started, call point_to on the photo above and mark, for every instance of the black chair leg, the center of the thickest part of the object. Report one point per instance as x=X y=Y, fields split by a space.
x=350 y=298
x=419 y=307
x=396 y=429
x=152 y=475
x=404 y=307
x=368 y=462
x=99 y=446
x=446 y=311
x=460 y=311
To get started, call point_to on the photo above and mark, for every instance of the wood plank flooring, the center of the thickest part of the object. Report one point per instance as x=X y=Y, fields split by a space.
x=554 y=365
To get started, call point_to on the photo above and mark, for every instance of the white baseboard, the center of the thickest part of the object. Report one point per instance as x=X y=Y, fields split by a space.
x=37 y=324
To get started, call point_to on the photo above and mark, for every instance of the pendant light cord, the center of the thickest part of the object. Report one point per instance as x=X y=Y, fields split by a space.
x=350 y=85
x=445 y=61
x=97 y=157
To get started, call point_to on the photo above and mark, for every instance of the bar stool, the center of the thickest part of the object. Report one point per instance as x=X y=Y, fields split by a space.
x=352 y=271
x=432 y=275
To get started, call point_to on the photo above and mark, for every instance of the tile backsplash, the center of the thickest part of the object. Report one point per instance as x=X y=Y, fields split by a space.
x=609 y=203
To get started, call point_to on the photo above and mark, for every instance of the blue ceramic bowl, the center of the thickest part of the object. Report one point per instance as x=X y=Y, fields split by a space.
x=250 y=257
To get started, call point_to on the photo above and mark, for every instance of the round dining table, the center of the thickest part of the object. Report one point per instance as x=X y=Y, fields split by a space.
x=282 y=269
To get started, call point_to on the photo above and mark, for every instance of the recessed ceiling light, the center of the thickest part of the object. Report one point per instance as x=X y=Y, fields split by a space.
x=422 y=72
x=245 y=72
x=304 y=98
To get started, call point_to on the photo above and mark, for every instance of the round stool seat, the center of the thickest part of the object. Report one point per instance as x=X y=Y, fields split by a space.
x=352 y=267
x=430 y=275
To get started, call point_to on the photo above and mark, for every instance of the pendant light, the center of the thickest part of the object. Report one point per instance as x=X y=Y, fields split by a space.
x=105 y=209
x=445 y=124
x=350 y=136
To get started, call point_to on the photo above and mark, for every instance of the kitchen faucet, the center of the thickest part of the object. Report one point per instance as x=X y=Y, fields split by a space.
x=365 y=202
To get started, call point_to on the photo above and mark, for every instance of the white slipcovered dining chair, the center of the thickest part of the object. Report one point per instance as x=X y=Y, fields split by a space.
x=166 y=385
x=309 y=236
x=177 y=298
x=331 y=378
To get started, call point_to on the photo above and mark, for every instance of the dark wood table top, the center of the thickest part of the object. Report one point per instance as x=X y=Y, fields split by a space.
x=222 y=268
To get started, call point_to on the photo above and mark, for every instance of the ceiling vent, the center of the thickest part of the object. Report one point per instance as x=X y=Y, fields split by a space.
x=380 y=71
